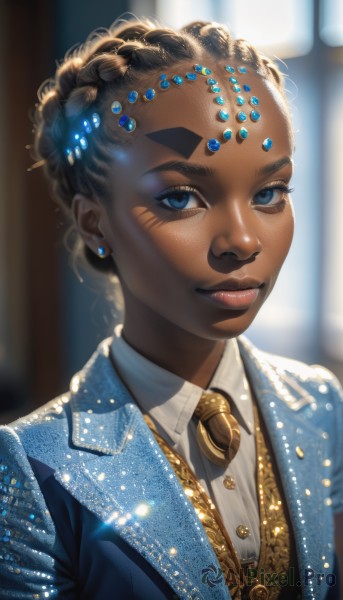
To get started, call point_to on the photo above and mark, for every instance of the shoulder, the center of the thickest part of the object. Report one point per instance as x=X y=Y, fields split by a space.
x=41 y=434
x=84 y=418
x=295 y=381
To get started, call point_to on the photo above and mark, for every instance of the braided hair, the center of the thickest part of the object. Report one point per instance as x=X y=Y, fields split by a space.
x=114 y=60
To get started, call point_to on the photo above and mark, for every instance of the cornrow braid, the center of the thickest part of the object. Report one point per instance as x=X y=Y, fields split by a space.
x=111 y=60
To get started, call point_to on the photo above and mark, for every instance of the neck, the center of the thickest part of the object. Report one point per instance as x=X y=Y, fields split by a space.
x=188 y=356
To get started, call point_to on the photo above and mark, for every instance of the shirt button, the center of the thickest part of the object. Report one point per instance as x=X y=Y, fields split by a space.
x=229 y=482
x=242 y=531
x=259 y=592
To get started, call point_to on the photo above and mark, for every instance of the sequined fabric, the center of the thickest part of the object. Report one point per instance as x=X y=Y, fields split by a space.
x=104 y=455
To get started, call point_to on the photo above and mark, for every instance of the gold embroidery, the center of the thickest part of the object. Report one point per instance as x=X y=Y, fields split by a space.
x=276 y=541
x=208 y=515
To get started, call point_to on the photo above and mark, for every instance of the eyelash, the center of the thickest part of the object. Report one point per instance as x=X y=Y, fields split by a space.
x=178 y=192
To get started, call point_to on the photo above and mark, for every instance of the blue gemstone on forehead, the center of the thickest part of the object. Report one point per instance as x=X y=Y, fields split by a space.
x=255 y=115
x=254 y=101
x=233 y=80
x=132 y=96
x=177 y=79
x=213 y=145
x=229 y=69
x=96 y=120
x=116 y=107
x=227 y=134
x=267 y=144
x=202 y=70
x=223 y=115
x=163 y=76
x=122 y=120
x=246 y=87
x=149 y=94
x=241 y=117
x=236 y=88
x=164 y=84
x=243 y=133
x=87 y=126
x=241 y=69
x=191 y=76
x=219 y=100
x=240 y=100
x=127 y=123
x=130 y=125
x=215 y=89
x=211 y=81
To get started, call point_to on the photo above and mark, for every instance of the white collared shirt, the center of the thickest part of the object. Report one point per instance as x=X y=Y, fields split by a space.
x=171 y=401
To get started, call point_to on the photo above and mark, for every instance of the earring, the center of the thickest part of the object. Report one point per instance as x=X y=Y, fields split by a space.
x=102 y=252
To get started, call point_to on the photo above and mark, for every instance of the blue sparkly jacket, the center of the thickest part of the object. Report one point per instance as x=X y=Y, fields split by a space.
x=91 y=509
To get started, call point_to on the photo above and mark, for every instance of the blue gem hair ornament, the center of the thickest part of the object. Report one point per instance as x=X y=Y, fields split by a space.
x=177 y=79
x=116 y=107
x=149 y=95
x=267 y=144
x=127 y=123
x=132 y=96
x=79 y=139
x=202 y=70
x=164 y=83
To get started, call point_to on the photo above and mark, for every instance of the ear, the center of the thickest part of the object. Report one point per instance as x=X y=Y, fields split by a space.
x=88 y=214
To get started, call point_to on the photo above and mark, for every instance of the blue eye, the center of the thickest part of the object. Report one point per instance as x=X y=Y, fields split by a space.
x=270 y=196
x=265 y=196
x=179 y=200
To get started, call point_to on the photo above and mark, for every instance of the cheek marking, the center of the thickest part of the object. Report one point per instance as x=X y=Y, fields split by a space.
x=182 y=140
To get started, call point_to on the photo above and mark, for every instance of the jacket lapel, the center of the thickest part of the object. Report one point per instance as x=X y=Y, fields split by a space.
x=128 y=483
x=299 y=451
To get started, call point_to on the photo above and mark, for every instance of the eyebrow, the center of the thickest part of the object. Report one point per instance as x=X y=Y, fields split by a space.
x=182 y=167
x=276 y=166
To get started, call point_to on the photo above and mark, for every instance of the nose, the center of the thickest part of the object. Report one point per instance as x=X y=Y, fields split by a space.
x=237 y=235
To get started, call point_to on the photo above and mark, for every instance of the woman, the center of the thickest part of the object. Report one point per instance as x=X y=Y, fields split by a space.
x=183 y=462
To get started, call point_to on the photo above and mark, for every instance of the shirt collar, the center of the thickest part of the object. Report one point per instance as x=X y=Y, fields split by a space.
x=171 y=400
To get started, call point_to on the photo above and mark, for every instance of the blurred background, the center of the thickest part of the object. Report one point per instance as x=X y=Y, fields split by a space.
x=50 y=322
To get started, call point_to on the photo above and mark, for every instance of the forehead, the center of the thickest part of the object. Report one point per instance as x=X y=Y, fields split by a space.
x=183 y=118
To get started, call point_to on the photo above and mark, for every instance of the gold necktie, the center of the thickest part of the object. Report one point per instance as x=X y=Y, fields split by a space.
x=218 y=433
